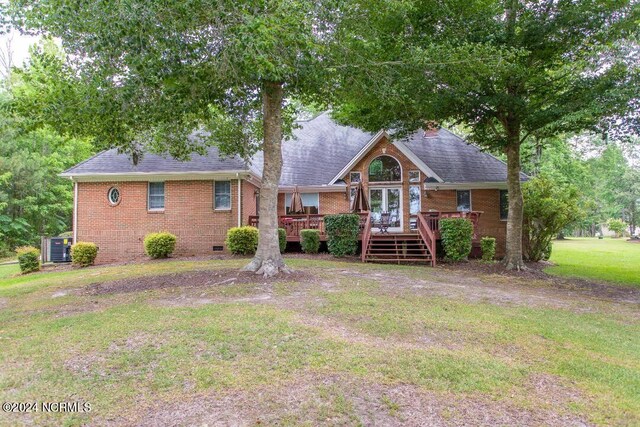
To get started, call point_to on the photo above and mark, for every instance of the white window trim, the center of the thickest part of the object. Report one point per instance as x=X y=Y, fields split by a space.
x=470 y=200
x=286 y=205
x=386 y=182
x=109 y=192
x=164 y=197
x=419 y=176
x=500 y=206
x=416 y=184
x=230 y=195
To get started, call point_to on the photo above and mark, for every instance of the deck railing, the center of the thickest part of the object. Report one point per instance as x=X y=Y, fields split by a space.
x=366 y=236
x=433 y=218
x=294 y=223
x=428 y=236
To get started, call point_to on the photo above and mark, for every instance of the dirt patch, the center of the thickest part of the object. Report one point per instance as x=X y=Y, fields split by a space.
x=534 y=272
x=332 y=399
x=193 y=279
x=3 y=303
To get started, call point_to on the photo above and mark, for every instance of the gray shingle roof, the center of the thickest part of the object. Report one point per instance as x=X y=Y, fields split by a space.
x=319 y=150
x=454 y=160
x=111 y=161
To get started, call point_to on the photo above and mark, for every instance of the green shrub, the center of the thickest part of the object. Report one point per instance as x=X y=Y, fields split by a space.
x=488 y=245
x=282 y=239
x=456 y=234
x=549 y=207
x=242 y=240
x=66 y=234
x=310 y=241
x=83 y=254
x=159 y=245
x=28 y=259
x=618 y=226
x=342 y=233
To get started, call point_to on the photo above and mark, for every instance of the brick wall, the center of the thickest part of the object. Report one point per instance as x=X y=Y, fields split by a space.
x=486 y=201
x=384 y=147
x=119 y=230
x=249 y=201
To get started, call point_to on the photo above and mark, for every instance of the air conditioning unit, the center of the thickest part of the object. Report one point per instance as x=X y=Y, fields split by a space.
x=60 y=249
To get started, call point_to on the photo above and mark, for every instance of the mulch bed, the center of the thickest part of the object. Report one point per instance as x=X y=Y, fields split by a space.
x=192 y=279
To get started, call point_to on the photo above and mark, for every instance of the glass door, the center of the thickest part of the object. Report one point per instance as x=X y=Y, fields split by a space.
x=387 y=200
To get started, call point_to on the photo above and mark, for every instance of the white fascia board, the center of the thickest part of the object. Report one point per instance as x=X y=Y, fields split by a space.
x=313 y=188
x=465 y=186
x=359 y=156
x=156 y=176
x=416 y=160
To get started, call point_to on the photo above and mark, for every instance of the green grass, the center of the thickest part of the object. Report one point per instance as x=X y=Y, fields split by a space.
x=9 y=270
x=128 y=353
x=611 y=260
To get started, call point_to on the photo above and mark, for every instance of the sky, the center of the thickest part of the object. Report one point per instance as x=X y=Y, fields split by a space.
x=19 y=45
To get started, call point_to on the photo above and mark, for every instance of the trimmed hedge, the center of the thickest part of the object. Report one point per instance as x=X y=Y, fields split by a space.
x=83 y=254
x=488 y=245
x=310 y=241
x=342 y=233
x=282 y=239
x=242 y=240
x=28 y=259
x=456 y=234
x=159 y=245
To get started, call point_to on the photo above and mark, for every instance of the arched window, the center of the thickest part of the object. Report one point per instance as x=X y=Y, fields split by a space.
x=384 y=169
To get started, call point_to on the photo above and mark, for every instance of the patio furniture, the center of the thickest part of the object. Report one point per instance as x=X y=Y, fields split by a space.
x=383 y=224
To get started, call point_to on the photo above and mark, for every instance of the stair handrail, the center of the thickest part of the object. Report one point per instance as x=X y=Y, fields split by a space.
x=366 y=236
x=428 y=237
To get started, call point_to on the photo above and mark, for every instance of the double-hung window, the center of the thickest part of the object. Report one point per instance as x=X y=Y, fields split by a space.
x=504 y=204
x=464 y=200
x=155 y=200
x=222 y=195
x=310 y=201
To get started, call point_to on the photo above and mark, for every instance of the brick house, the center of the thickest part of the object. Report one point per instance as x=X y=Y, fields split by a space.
x=414 y=181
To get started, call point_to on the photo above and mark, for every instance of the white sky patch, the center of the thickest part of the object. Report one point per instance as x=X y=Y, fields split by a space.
x=19 y=45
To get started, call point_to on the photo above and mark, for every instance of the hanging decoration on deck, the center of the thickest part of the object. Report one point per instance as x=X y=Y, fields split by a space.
x=296 y=206
x=360 y=202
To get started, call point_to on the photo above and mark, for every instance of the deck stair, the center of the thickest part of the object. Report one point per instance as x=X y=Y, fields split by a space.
x=397 y=248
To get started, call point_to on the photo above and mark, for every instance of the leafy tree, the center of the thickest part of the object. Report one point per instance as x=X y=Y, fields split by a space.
x=628 y=196
x=153 y=72
x=617 y=226
x=508 y=70
x=548 y=208
x=34 y=201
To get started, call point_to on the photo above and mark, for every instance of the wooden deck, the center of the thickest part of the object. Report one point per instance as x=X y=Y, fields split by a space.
x=294 y=223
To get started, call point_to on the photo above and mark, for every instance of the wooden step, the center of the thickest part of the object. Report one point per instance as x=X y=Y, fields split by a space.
x=398 y=248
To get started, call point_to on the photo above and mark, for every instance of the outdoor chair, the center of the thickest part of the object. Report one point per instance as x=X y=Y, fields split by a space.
x=383 y=225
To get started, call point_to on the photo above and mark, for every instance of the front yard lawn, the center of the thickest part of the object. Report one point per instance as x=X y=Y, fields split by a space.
x=197 y=342
x=613 y=260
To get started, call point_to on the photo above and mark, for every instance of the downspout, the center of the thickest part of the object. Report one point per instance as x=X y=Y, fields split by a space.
x=239 y=201
x=75 y=211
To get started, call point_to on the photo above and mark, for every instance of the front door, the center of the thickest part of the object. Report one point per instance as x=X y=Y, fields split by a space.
x=387 y=200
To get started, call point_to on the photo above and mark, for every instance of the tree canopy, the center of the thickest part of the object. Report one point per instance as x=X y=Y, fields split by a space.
x=508 y=70
x=34 y=201
x=152 y=73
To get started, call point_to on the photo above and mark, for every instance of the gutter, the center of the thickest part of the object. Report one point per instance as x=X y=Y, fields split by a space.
x=497 y=185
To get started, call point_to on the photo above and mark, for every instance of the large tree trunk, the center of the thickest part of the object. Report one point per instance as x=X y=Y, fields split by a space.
x=268 y=261
x=513 y=257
